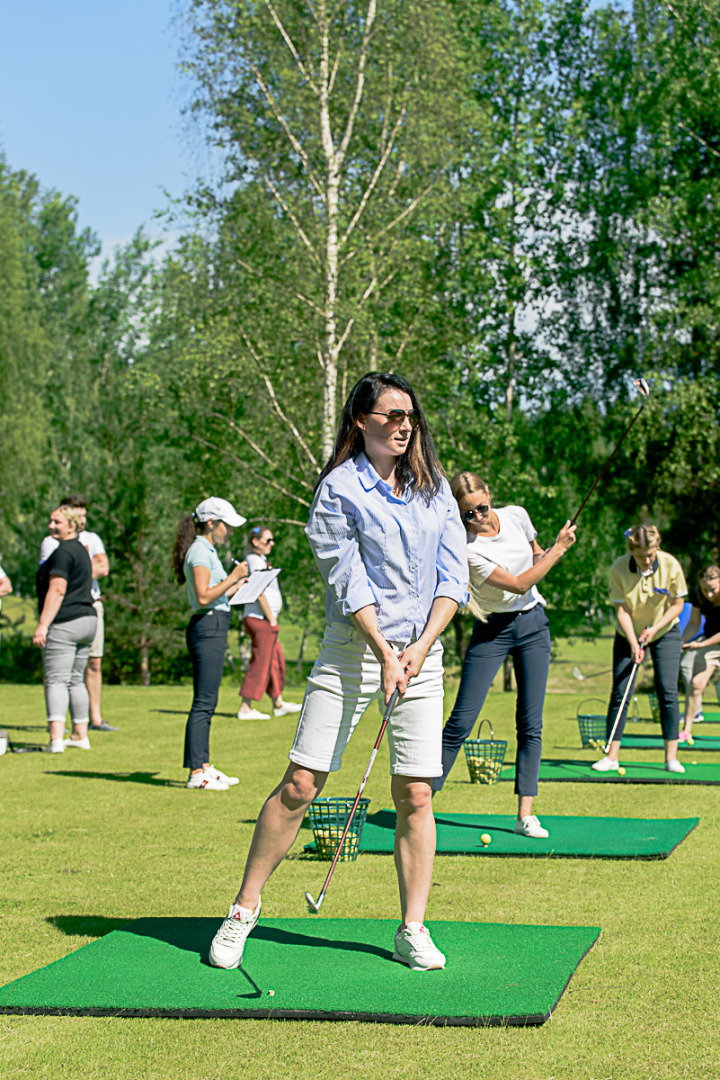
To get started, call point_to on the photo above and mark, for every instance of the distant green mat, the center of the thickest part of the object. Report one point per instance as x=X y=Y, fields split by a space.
x=637 y=772
x=570 y=837
x=320 y=969
x=655 y=742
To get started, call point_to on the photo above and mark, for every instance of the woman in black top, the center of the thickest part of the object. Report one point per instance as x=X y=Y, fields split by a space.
x=66 y=630
x=706 y=649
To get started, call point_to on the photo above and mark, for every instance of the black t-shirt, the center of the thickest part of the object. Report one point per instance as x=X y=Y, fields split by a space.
x=711 y=613
x=71 y=561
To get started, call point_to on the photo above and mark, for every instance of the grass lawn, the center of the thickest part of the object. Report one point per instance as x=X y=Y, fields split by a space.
x=93 y=839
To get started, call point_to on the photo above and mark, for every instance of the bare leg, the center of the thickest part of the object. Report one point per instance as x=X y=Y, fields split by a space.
x=415 y=839
x=525 y=804
x=93 y=682
x=671 y=750
x=56 y=730
x=694 y=698
x=614 y=750
x=277 y=827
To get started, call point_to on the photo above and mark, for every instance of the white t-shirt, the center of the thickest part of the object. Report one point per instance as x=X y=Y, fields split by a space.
x=510 y=549
x=89 y=540
x=271 y=594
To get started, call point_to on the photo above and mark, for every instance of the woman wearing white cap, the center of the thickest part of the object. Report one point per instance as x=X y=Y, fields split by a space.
x=196 y=562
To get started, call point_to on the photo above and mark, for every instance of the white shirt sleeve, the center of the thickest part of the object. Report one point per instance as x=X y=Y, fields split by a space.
x=46 y=548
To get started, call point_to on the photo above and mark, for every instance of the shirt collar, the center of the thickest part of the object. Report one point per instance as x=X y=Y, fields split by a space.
x=367 y=475
x=633 y=567
x=206 y=542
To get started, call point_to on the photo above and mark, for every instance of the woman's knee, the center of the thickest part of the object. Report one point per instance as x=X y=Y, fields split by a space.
x=412 y=795
x=300 y=786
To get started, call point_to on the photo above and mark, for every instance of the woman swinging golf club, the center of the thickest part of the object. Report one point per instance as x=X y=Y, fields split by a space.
x=647 y=587
x=388 y=541
x=506 y=564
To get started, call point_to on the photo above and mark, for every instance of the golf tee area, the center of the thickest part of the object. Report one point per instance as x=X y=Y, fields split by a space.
x=108 y=849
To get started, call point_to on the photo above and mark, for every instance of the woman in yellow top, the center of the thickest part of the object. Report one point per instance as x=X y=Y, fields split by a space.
x=647 y=587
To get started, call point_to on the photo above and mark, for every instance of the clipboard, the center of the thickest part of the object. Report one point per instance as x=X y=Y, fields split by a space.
x=255 y=586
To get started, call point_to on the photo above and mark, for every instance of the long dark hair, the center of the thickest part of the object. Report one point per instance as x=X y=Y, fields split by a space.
x=187 y=531
x=419 y=465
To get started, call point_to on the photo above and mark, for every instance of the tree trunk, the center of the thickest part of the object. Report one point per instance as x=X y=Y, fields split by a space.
x=144 y=663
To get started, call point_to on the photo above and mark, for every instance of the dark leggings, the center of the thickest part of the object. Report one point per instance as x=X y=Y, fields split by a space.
x=665 y=653
x=525 y=636
x=206 y=638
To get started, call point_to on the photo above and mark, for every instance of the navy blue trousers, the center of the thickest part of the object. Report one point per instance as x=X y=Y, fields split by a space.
x=206 y=638
x=526 y=637
x=666 y=654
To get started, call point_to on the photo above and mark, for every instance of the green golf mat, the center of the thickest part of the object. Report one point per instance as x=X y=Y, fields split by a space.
x=320 y=969
x=655 y=742
x=636 y=772
x=570 y=837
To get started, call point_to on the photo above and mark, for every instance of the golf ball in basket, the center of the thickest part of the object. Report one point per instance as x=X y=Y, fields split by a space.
x=485 y=838
x=621 y=771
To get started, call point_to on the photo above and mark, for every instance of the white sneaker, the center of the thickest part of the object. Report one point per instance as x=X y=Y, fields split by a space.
x=253 y=714
x=78 y=744
x=673 y=765
x=205 y=781
x=55 y=746
x=530 y=826
x=606 y=764
x=415 y=947
x=227 y=946
x=286 y=709
x=216 y=774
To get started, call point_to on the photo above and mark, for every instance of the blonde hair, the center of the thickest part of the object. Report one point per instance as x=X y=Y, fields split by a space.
x=643 y=536
x=462 y=484
x=73 y=515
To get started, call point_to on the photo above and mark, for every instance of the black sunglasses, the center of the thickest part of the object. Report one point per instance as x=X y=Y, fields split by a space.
x=396 y=416
x=477 y=511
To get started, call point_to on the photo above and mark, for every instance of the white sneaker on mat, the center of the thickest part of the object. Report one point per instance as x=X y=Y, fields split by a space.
x=227 y=946
x=673 y=765
x=286 y=709
x=55 y=746
x=78 y=744
x=204 y=781
x=415 y=947
x=253 y=714
x=606 y=764
x=229 y=781
x=530 y=826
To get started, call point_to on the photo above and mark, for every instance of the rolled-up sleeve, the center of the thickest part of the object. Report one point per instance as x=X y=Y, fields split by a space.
x=452 y=564
x=332 y=532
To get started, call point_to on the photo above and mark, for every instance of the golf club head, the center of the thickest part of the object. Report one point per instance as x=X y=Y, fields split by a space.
x=313 y=908
x=642 y=386
x=578 y=674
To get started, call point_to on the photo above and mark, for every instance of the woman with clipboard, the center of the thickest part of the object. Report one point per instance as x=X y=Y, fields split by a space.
x=266 y=672
x=197 y=564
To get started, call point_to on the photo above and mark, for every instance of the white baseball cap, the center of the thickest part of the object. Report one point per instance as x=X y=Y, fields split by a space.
x=219 y=510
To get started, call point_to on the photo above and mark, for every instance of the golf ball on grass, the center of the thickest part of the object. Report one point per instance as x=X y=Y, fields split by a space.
x=271 y=993
x=485 y=838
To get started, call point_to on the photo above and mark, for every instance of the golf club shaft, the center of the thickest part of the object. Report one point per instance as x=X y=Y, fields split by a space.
x=388 y=712
x=631 y=680
x=605 y=466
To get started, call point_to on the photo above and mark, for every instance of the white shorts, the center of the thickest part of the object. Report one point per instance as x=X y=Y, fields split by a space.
x=98 y=643
x=343 y=683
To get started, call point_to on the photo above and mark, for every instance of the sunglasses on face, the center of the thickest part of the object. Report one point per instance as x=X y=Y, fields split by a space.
x=396 y=416
x=475 y=512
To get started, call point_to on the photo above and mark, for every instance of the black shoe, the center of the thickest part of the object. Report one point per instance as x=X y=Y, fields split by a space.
x=101 y=727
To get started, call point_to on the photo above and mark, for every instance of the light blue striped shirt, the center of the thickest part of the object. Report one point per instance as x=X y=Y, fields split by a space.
x=397 y=553
x=202 y=553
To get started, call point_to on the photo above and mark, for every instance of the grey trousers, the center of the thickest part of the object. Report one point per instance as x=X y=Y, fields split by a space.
x=65 y=658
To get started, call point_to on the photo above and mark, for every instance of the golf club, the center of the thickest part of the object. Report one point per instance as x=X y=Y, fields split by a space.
x=631 y=680
x=579 y=675
x=644 y=389
x=313 y=906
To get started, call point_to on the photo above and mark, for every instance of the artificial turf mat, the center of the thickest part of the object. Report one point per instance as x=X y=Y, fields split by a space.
x=570 y=837
x=655 y=742
x=636 y=772
x=320 y=969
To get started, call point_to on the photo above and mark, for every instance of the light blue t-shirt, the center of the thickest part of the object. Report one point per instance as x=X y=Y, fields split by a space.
x=202 y=553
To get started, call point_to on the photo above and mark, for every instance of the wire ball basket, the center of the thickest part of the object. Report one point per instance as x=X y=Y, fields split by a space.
x=328 y=818
x=593 y=726
x=485 y=757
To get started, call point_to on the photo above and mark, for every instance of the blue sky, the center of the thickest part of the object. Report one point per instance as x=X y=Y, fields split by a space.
x=90 y=101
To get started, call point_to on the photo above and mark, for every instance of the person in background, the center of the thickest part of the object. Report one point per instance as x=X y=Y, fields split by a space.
x=197 y=564
x=66 y=629
x=266 y=671
x=647 y=587
x=386 y=533
x=704 y=651
x=5 y=585
x=506 y=563
x=100 y=569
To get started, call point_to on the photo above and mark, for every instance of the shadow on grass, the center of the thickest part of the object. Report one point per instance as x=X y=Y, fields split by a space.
x=25 y=727
x=184 y=712
x=123 y=778
x=85 y=925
